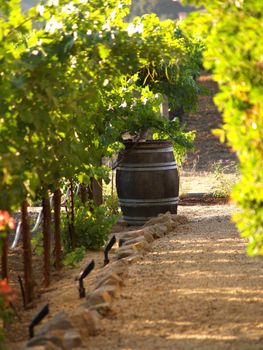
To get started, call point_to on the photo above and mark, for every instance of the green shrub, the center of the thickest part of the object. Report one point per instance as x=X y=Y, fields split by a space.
x=73 y=258
x=112 y=203
x=37 y=243
x=224 y=182
x=92 y=226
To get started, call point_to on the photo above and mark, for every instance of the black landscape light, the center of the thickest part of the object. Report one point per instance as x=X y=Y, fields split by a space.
x=108 y=247
x=82 y=275
x=37 y=319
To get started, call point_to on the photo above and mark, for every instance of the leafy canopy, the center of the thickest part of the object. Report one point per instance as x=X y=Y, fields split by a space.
x=233 y=38
x=71 y=84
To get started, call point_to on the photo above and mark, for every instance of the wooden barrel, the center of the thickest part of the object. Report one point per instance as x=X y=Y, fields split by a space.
x=147 y=180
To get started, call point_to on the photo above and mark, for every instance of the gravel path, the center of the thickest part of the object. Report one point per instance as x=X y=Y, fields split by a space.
x=196 y=289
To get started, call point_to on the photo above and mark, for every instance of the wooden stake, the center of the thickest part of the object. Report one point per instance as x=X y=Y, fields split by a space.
x=57 y=230
x=46 y=239
x=72 y=217
x=27 y=255
x=4 y=254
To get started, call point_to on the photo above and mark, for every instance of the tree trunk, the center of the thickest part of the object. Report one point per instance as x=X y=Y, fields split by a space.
x=27 y=255
x=83 y=193
x=97 y=192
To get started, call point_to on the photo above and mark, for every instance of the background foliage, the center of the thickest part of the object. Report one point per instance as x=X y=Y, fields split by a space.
x=233 y=31
x=163 y=8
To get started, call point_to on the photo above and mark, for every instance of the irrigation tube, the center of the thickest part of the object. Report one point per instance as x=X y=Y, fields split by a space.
x=17 y=235
x=39 y=217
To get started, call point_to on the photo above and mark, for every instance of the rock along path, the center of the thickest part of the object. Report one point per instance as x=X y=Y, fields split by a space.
x=196 y=289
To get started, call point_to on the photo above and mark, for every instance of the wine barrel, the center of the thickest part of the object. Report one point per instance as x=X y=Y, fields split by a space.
x=147 y=180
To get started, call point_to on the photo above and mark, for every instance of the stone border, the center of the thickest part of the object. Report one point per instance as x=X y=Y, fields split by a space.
x=71 y=330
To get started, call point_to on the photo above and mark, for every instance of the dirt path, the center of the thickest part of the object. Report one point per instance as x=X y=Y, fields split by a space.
x=197 y=289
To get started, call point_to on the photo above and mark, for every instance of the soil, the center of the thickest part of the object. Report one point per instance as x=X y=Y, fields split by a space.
x=208 y=150
x=196 y=289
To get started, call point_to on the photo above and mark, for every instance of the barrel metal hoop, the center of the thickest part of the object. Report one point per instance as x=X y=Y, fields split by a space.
x=161 y=150
x=147 y=165
x=148 y=202
x=144 y=168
